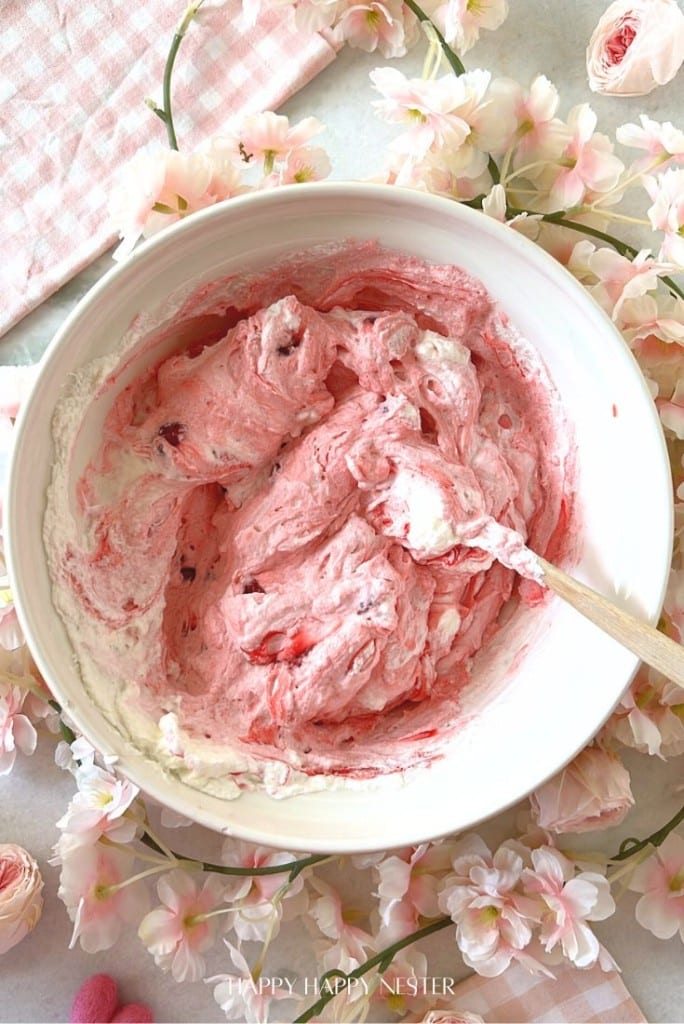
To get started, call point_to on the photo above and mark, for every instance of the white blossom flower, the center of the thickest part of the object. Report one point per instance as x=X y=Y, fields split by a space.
x=99 y=806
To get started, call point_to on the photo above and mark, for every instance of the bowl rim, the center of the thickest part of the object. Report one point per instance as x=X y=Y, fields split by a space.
x=154 y=781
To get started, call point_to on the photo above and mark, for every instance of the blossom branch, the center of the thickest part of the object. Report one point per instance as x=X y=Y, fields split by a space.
x=559 y=217
x=292 y=869
x=164 y=112
x=629 y=847
x=454 y=60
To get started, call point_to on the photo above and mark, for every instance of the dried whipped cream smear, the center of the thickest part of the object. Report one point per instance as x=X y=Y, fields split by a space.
x=295 y=532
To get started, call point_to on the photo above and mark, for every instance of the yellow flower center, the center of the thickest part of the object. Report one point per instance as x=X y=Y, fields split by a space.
x=677 y=881
x=488 y=915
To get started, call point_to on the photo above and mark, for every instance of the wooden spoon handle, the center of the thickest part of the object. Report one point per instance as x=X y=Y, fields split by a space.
x=652 y=646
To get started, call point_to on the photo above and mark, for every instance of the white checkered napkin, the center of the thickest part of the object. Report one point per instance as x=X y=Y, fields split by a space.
x=574 y=997
x=73 y=80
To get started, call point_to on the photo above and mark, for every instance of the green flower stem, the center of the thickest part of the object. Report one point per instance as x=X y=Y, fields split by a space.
x=165 y=113
x=622 y=247
x=454 y=60
x=559 y=217
x=381 y=960
x=456 y=64
x=292 y=868
x=68 y=735
x=629 y=847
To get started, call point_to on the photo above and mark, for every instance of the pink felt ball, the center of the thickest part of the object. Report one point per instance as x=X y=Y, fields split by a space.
x=95 y=1001
x=133 y=1013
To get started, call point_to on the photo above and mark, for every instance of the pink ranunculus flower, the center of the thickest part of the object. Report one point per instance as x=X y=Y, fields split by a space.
x=660 y=879
x=21 y=895
x=452 y=1017
x=636 y=46
x=592 y=792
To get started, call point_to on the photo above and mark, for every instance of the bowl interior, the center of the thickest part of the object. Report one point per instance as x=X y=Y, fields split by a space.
x=571 y=675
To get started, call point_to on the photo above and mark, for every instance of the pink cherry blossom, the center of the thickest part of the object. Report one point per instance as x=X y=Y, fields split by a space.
x=493 y=917
x=408 y=884
x=569 y=902
x=309 y=163
x=661 y=881
x=374 y=25
x=537 y=127
x=528 y=126
x=159 y=188
x=266 y=136
x=662 y=142
x=428 y=106
x=338 y=923
x=401 y=988
x=16 y=729
x=180 y=931
x=99 y=807
x=611 y=278
x=462 y=20
x=314 y=15
x=667 y=212
x=648 y=718
x=587 y=161
x=11 y=635
x=241 y=996
x=592 y=792
x=636 y=45
x=672 y=411
x=649 y=321
x=93 y=886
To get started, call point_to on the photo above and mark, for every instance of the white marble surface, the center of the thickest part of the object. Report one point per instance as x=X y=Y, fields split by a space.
x=39 y=977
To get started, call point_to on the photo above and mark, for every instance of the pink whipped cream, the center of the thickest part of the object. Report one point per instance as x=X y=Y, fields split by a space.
x=297 y=532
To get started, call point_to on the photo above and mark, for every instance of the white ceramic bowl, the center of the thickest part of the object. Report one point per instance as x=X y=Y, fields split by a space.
x=573 y=675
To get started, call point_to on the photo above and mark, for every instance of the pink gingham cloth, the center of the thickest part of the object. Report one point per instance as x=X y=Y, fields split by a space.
x=575 y=996
x=74 y=77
